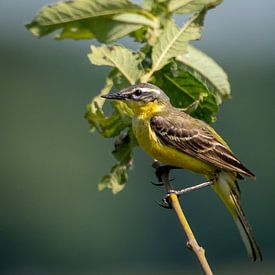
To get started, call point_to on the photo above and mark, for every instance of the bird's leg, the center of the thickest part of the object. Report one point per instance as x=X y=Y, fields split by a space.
x=160 y=170
x=192 y=188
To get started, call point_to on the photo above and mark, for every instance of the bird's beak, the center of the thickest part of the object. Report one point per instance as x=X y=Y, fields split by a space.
x=117 y=96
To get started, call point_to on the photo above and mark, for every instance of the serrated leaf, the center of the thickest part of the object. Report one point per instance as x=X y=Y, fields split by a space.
x=206 y=70
x=190 y=6
x=126 y=61
x=123 y=153
x=107 y=126
x=111 y=126
x=186 y=91
x=98 y=101
x=174 y=41
x=115 y=180
x=123 y=148
x=78 y=16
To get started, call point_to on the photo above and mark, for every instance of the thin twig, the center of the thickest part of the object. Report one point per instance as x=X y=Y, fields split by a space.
x=194 y=188
x=191 y=240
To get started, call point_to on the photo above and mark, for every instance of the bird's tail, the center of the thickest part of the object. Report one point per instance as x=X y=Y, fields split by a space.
x=227 y=189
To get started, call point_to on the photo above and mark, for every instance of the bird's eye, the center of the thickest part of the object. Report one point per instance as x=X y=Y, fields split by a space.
x=138 y=92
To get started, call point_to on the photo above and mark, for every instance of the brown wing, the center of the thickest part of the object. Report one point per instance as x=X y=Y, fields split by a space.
x=196 y=139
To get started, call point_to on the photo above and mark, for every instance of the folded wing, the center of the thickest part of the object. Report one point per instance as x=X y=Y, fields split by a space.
x=196 y=139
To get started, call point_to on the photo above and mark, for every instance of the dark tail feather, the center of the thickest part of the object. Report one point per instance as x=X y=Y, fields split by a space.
x=246 y=231
x=228 y=191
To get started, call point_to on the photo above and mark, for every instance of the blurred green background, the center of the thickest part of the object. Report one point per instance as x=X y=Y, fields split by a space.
x=52 y=218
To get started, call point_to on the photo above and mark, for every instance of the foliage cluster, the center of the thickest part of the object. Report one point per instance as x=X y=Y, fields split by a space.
x=192 y=80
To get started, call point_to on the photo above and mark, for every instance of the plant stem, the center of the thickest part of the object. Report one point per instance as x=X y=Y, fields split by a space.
x=191 y=240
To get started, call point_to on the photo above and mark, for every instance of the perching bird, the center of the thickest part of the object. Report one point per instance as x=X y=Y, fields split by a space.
x=174 y=138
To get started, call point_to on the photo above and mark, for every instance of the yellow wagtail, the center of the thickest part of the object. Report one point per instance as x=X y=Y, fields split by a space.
x=174 y=138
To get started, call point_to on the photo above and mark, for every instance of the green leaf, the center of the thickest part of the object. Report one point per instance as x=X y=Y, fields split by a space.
x=95 y=112
x=123 y=153
x=115 y=180
x=53 y=17
x=174 y=41
x=82 y=19
x=126 y=61
x=107 y=126
x=111 y=126
x=102 y=28
x=75 y=31
x=120 y=81
x=190 y=6
x=140 y=35
x=137 y=19
x=187 y=92
x=107 y=30
x=123 y=147
x=148 y=4
x=207 y=71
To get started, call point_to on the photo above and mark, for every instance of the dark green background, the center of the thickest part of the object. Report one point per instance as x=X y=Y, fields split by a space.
x=52 y=218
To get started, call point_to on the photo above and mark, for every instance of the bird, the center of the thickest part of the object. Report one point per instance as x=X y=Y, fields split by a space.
x=173 y=137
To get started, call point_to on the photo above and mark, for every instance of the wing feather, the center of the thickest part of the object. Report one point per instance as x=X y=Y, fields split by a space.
x=197 y=139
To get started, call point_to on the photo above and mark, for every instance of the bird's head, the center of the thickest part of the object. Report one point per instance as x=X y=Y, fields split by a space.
x=141 y=97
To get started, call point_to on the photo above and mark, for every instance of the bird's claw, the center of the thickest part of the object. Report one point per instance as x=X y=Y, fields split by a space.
x=161 y=183
x=165 y=203
x=157 y=184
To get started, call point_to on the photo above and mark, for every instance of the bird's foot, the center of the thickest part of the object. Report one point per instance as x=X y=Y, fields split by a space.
x=161 y=183
x=192 y=188
x=166 y=202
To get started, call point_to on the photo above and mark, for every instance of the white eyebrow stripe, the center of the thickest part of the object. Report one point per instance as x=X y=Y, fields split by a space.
x=150 y=90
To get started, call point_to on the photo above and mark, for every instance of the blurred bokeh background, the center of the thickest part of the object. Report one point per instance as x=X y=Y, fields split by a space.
x=52 y=218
